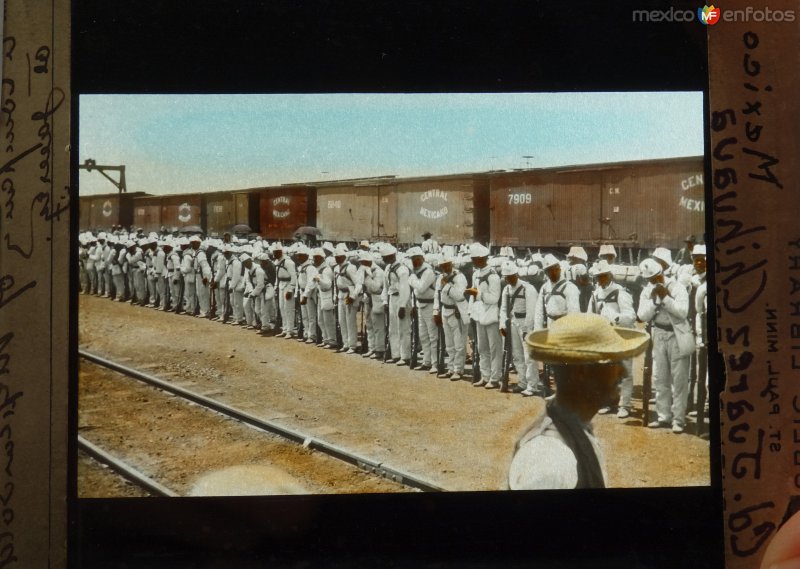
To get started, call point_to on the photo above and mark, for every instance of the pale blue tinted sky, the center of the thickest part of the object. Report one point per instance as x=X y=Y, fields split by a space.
x=199 y=143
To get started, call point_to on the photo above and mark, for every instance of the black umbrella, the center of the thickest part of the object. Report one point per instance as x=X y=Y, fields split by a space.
x=191 y=229
x=308 y=230
x=241 y=228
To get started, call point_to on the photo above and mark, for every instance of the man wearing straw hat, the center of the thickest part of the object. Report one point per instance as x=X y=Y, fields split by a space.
x=560 y=451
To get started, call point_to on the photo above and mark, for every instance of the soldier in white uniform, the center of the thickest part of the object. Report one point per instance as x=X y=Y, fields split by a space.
x=91 y=262
x=103 y=266
x=485 y=311
x=248 y=300
x=326 y=298
x=345 y=276
x=306 y=286
x=429 y=245
x=557 y=296
x=220 y=286
x=396 y=298
x=615 y=304
x=162 y=274
x=188 y=272
x=236 y=284
x=665 y=302
x=136 y=262
x=269 y=311
x=117 y=273
x=203 y=279
x=451 y=311
x=287 y=285
x=518 y=304
x=422 y=281
x=369 y=285
x=175 y=277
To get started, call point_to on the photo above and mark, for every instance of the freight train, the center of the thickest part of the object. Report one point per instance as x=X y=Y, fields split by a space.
x=635 y=205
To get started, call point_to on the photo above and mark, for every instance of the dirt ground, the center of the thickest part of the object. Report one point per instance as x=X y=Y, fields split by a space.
x=449 y=433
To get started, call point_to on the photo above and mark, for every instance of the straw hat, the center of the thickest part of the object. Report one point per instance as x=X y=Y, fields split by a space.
x=581 y=338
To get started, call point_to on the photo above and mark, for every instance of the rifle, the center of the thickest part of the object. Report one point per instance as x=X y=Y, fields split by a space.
x=507 y=345
x=476 y=356
x=647 y=376
x=387 y=348
x=298 y=317
x=336 y=311
x=440 y=368
x=414 y=333
x=366 y=311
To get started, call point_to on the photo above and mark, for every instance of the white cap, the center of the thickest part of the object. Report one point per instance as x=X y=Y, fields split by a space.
x=607 y=249
x=301 y=250
x=130 y=243
x=388 y=249
x=364 y=256
x=478 y=250
x=328 y=246
x=509 y=268
x=227 y=248
x=698 y=250
x=663 y=254
x=364 y=243
x=578 y=270
x=263 y=257
x=244 y=257
x=340 y=250
x=101 y=235
x=432 y=259
x=446 y=259
x=649 y=268
x=578 y=253
x=415 y=252
x=600 y=267
x=549 y=261
x=195 y=239
x=318 y=252
x=277 y=246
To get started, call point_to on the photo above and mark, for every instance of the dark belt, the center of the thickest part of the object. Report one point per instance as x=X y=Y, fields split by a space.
x=667 y=327
x=520 y=314
x=395 y=294
x=284 y=279
x=449 y=305
x=425 y=300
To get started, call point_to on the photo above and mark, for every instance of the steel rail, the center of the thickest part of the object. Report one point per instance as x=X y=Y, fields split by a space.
x=125 y=470
x=335 y=451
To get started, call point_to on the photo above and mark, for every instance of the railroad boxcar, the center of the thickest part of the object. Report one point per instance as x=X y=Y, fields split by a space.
x=641 y=204
x=282 y=209
x=220 y=213
x=353 y=210
x=178 y=211
x=453 y=208
x=147 y=213
x=100 y=212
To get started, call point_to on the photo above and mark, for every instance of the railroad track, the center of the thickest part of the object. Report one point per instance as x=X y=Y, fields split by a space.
x=364 y=463
x=124 y=469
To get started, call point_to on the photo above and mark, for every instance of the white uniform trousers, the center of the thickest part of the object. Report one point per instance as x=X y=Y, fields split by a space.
x=162 y=292
x=140 y=283
x=92 y=273
x=84 y=279
x=189 y=294
x=220 y=297
x=347 y=324
x=399 y=331
x=376 y=330
x=175 y=291
x=249 y=309
x=671 y=377
x=119 y=286
x=527 y=368
x=287 y=312
x=107 y=282
x=237 y=301
x=626 y=385
x=308 y=312
x=152 y=291
x=455 y=341
x=268 y=311
x=490 y=349
x=428 y=333
x=203 y=295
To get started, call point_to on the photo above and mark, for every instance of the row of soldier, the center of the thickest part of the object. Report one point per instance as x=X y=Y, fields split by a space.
x=417 y=308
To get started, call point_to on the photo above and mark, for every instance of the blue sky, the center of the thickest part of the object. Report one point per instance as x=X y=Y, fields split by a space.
x=198 y=143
